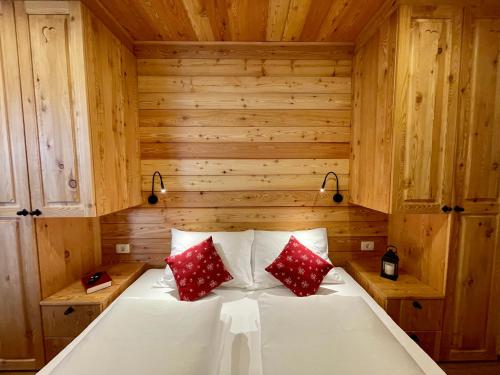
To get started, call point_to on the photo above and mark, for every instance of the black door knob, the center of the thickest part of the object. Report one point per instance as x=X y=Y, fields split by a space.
x=23 y=212
x=37 y=212
x=458 y=209
x=446 y=209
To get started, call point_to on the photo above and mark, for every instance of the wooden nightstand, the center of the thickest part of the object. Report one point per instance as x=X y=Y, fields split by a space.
x=414 y=306
x=67 y=313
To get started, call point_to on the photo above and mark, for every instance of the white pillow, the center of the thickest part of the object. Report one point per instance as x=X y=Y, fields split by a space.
x=267 y=245
x=235 y=249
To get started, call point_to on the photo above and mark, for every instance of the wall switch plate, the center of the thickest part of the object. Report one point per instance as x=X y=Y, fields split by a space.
x=122 y=248
x=367 y=245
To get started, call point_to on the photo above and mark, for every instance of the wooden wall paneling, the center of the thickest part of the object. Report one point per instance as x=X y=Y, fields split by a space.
x=228 y=166
x=20 y=323
x=425 y=109
x=68 y=248
x=244 y=117
x=245 y=67
x=53 y=87
x=243 y=50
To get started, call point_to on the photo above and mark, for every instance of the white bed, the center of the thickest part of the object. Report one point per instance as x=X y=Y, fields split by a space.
x=240 y=312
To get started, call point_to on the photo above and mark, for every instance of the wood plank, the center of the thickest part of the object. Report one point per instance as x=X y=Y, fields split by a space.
x=240 y=67
x=246 y=199
x=248 y=117
x=244 y=134
x=243 y=215
x=243 y=50
x=237 y=183
x=237 y=84
x=245 y=151
x=111 y=231
x=241 y=167
x=242 y=101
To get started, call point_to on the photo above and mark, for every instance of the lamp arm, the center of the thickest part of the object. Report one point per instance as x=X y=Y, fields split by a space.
x=153 y=182
x=336 y=179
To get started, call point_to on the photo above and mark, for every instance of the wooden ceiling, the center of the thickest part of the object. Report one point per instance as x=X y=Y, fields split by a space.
x=241 y=20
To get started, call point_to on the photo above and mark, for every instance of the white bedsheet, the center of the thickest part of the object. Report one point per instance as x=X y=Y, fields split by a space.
x=241 y=352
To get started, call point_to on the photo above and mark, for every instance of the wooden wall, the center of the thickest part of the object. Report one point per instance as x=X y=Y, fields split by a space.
x=241 y=144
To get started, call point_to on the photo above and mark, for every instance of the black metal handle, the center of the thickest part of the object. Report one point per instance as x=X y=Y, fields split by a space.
x=23 y=212
x=458 y=209
x=415 y=338
x=69 y=310
x=417 y=305
x=446 y=209
x=37 y=212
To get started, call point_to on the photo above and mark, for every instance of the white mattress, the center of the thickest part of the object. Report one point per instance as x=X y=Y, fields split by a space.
x=241 y=353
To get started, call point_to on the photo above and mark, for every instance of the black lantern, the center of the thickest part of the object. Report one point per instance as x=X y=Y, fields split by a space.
x=389 y=266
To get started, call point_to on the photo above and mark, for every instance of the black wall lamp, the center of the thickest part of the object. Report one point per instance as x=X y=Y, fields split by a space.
x=337 y=197
x=153 y=199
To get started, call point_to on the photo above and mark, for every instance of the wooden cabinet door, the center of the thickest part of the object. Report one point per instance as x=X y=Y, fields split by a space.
x=478 y=162
x=472 y=303
x=428 y=60
x=20 y=324
x=53 y=85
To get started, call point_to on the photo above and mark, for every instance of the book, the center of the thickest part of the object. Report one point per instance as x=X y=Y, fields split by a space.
x=96 y=281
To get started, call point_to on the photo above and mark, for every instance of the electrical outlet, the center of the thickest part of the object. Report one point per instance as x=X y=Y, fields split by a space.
x=122 y=248
x=367 y=245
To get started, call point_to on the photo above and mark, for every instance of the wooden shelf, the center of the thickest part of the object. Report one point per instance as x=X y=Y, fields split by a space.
x=367 y=273
x=122 y=275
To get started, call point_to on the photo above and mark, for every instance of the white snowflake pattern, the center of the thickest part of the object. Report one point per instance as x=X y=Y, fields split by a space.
x=301 y=271
x=210 y=266
x=304 y=284
x=188 y=254
x=280 y=265
x=213 y=284
x=199 y=256
x=289 y=258
x=318 y=262
x=304 y=257
x=200 y=281
x=201 y=293
x=189 y=266
x=183 y=282
x=288 y=280
x=313 y=276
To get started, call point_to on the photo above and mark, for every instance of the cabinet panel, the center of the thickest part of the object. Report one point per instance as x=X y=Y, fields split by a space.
x=14 y=190
x=54 y=97
x=478 y=169
x=473 y=290
x=20 y=325
x=425 y=113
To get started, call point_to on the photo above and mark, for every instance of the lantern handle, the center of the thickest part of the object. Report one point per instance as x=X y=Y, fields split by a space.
x=392 y=247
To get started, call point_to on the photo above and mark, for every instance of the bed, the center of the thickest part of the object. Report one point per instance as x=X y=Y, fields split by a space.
x=238 y=349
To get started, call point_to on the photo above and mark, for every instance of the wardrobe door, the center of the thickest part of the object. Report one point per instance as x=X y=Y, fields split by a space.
x=428 y=61
x=478 y=166
x=20 y=325
x=55 y=104
x=473 y=295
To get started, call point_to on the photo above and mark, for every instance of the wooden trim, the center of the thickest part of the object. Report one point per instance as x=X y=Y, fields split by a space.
x=243 y=50
x=110 y=21
x=373 y=26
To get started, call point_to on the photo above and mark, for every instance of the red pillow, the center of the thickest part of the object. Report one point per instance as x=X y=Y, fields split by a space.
x=198 y=270
x=299 y=269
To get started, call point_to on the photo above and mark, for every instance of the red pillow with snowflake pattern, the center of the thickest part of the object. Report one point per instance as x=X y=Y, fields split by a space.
x=198 y=270
x=299 y=269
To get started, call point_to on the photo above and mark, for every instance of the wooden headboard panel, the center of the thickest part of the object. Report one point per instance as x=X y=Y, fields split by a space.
x=242 y=144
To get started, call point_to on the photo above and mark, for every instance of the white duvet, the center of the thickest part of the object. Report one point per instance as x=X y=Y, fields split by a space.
x=324 y=335
x=147 y=331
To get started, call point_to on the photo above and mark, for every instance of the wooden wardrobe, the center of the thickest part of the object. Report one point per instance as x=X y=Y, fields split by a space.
x=426 y=150
x=68 y=149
